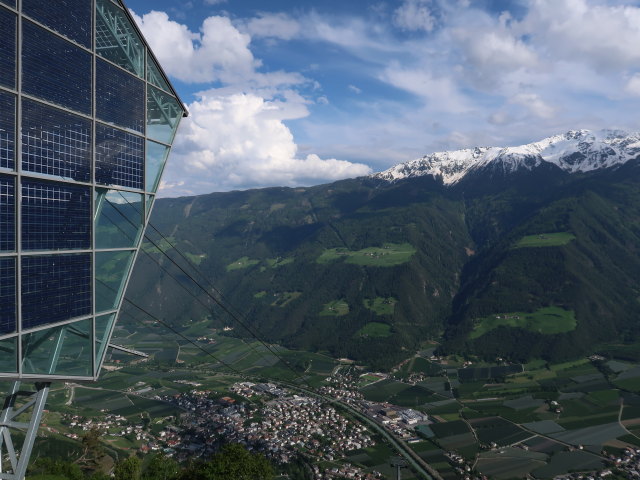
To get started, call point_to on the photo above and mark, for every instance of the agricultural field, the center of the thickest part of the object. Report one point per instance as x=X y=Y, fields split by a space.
x=388 y=255
x=381 y=305
x=284 y=298
x=335 y=308
x=545 y=240
x=279 y=262
x=548 y=321
x=374 y=329
x=525 y=422
x=244 y=262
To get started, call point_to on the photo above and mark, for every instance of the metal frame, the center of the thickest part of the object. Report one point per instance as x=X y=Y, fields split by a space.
x=18 y=458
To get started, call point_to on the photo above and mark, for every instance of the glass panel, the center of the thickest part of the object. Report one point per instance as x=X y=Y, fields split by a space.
x=156 y=158
x=7 y=48
x=116 y=38
x=7 y=130
x=55 y=216
x=71 y=18
x=55 y=70
x=11 y=3
x=119 y=97
x=7 y=214
x=64 y=350
x=163 y=115
x=112 y=269
x=119 y=157
x=55 y=142
x=104 y=324
x=7 y=295
x=119 y=219
x=150 y=199
x=8 y=355
x=55 y=288
x=154 y=76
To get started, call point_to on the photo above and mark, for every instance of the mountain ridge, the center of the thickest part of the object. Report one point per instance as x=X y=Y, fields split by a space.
x=576 y=151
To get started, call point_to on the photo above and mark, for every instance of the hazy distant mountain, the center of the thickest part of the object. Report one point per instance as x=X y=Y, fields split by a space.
x=442 y=245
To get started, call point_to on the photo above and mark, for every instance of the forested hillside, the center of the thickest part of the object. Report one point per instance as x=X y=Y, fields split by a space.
x=365 y=268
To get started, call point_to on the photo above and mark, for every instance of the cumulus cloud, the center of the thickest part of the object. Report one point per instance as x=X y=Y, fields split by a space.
x=414 y=15
x=240 y=141
x=219 y=52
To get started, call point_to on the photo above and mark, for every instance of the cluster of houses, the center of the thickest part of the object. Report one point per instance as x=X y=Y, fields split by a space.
x=345 y=471
x=282 y=425
x=111 y=425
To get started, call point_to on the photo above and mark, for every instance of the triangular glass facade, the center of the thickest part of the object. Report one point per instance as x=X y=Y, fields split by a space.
x=84 y=137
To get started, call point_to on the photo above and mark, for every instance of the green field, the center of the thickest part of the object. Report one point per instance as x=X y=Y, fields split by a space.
x=389 y=255
x=244 y=262
x=195 y=259
x=279 y=262
x=545 y=240
x=336 y=308
x=381 y=306
x=548 y=321
x=284 y=298
x=374 y=329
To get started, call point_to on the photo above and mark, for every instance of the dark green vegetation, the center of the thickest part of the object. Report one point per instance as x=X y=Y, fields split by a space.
x=490 y=245
x=233 y=461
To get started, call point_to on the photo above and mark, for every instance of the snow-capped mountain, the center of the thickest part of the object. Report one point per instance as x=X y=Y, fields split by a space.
x=574 y=151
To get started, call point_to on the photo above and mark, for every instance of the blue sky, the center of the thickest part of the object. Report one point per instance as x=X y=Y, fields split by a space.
x=305 y=92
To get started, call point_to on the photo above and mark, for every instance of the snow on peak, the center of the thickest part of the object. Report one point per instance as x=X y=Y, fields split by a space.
x=574 y=151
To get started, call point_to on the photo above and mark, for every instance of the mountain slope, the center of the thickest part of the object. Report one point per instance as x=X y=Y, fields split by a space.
x=366 y=267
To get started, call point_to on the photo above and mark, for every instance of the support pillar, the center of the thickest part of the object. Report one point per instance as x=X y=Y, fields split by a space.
x=14 y=455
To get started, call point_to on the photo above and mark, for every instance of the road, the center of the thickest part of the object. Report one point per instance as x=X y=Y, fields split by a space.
x=418 y=464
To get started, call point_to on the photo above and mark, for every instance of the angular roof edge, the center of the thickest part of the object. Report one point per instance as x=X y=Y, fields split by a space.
x=185 y=112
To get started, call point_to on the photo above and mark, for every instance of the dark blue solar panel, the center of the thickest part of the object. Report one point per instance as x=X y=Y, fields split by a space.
x=55 y=288
x=55 y=216
x=54 y=69
x=7 y=295
x=7 y=214
x=55 y=142
x=119 y=157
x=71 y=18
x=11 y=3
x=119 y=97
x=7 y=48
x=7 y=130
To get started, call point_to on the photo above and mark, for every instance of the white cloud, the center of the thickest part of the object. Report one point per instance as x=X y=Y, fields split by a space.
x=534 y=104
x=240 y=141
x=355 y=89
x=590 y=32
x=414 y=15
x=440 y=92
x=214 y=2
x=219 y=52
x=633 y=85
x=273 y=25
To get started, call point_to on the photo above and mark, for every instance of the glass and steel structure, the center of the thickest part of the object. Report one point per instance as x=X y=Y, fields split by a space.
x=87 y=119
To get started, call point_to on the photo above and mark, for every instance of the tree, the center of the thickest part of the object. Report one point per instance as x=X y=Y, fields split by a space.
x=233 y=462
x=161 y=467
x=128 y=469
x=91 y=444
